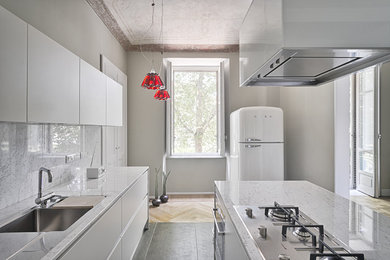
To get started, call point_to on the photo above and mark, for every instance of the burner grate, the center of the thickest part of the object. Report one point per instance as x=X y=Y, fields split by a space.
x=283 y=214
x=322 y=244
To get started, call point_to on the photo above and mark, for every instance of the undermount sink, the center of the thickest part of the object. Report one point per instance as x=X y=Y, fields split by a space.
x=45 y=219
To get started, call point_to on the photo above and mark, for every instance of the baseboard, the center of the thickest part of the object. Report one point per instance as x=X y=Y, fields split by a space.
x=385 y=192
x=190 y=193
x=186 y=193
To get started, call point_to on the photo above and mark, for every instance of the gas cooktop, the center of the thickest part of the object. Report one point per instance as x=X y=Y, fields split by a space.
x=283 y=232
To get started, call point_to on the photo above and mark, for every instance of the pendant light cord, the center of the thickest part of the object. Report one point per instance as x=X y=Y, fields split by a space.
x=151 y=61
x=162 y=34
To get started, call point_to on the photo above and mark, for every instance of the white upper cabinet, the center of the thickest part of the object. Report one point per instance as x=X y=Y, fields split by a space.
x=114 y=103
x=93 y=86
x=13 y=67
x=53 y=81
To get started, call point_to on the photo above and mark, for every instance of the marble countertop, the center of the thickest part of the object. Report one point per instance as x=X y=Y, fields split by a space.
x=359 y=227
x=50 y=245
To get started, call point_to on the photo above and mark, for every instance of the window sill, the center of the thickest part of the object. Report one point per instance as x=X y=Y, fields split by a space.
x=196 y=157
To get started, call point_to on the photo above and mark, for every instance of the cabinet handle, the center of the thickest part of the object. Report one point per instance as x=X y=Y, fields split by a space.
x=252 y=145
x=219 y=232
x=253 y=140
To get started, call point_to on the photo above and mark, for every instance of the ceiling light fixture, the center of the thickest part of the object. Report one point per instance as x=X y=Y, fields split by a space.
x=152 y=80
x=161 y=94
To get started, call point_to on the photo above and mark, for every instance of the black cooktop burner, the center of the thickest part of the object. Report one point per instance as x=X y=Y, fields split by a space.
x=302 y=233
x=279 y=214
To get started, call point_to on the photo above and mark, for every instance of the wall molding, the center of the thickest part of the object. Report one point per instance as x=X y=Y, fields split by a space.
x=109 y=20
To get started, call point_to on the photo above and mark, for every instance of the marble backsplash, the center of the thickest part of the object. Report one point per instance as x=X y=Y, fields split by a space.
x=24 y=148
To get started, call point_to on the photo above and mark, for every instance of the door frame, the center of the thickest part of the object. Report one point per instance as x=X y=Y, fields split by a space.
x=377 y=128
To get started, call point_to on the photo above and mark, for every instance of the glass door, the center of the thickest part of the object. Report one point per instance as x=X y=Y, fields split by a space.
x=367 y=110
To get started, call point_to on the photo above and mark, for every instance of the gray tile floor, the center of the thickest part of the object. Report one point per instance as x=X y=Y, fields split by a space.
x=163 y=241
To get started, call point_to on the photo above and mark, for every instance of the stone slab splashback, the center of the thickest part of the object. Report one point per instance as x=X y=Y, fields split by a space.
x=26 y=147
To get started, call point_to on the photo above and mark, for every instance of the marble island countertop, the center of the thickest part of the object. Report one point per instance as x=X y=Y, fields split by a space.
x=357 y=226
x=50 y=245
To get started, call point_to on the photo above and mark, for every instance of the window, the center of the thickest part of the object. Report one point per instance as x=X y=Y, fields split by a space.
x=195 y=121
x=364 y=125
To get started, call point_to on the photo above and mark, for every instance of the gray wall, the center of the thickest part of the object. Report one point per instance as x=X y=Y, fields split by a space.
x=73 y=24
x=146 y=123
x=342 y=148
x=309 y=133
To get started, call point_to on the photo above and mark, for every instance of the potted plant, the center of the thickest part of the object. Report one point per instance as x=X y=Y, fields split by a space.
x=164 y=197
x=156 y=201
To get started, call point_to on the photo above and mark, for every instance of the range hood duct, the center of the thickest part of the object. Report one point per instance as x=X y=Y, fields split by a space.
x=310 y=42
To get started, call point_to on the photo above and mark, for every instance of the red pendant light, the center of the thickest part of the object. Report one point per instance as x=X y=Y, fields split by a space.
x=152 y=81
x=161 y=94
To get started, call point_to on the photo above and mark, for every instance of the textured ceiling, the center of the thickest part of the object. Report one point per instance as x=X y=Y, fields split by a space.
x=187 y=23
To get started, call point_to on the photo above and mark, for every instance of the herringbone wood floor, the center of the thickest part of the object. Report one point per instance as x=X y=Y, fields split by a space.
x=184 y=208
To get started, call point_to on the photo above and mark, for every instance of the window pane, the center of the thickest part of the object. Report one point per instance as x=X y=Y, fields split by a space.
x=365 y=119
x=195 y=112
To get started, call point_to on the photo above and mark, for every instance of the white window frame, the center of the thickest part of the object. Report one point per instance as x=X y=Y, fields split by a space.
x=196 y=64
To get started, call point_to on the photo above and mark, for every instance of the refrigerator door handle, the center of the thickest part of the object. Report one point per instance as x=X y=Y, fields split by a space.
x=253 y=140
x=252 y=145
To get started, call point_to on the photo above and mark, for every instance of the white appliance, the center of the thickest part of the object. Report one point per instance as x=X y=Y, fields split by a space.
x=256 y=144
x=310 y=42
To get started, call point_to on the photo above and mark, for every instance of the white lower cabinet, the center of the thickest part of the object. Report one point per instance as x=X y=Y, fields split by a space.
x=117 y=233
x=227 y=244
x=233 y=247
x=131 y=199
x=117 y=252
x=134 y=231
x=99 y=240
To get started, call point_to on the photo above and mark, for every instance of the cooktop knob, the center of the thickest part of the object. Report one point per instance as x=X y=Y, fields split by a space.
x=249 y=212
x=283 y=257
x=263 y=231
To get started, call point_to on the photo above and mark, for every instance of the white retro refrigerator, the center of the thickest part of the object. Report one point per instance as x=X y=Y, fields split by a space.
x=256 y=144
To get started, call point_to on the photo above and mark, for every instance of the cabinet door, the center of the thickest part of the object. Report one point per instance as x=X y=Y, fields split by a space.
x=233 y=247
x=92 y=95
x=134 y=231
x=122 y=131
x=114 y=103
x=53 y=81
x=116 y=254
x=132 y=198
x=99 y=240
x=13 y=67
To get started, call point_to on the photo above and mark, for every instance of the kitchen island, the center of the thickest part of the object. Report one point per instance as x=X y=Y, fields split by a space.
x=120 y=216
x=360 y=228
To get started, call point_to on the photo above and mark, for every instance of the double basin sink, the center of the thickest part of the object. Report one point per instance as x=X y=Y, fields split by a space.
x=45 y=220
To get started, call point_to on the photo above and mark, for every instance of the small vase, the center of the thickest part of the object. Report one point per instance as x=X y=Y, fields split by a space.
x=156 y=202
x=164 y=198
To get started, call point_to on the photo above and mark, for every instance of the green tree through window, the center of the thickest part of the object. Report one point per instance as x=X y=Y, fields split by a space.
x=195 y=110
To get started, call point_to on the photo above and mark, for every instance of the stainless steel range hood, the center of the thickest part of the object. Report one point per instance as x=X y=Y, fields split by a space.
x=310 y=42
